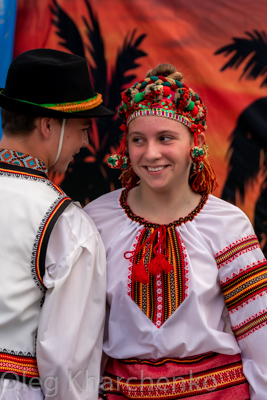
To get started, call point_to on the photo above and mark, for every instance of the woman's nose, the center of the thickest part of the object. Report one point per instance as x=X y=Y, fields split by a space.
x=152 y=151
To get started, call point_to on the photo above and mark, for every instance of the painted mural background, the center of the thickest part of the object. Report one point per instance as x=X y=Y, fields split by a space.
x=219 y=46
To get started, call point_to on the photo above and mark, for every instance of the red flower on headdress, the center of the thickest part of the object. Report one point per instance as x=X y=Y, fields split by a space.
x=125 y=97
x=123 y=127
x=185 y=96
x=150 y=96
x=199 y=128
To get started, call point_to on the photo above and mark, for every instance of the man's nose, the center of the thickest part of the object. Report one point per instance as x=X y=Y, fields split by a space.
x=85 y=139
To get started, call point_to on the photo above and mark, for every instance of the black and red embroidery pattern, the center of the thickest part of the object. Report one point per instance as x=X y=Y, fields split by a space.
x=245 y=286
x=250 y=325
x=162 y=293
x=235 y=249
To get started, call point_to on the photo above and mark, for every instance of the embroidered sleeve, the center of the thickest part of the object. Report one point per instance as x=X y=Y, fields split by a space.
x=243 y=277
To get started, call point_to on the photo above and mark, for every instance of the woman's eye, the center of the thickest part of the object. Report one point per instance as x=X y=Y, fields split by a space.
x=137 y=140
x=165 y=138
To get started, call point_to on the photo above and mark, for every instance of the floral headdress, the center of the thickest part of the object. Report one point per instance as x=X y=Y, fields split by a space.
x=169 y=98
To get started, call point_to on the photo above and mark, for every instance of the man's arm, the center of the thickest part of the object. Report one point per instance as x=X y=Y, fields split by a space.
x=70 y=333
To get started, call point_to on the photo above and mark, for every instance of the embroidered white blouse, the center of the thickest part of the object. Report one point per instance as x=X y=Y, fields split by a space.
x=215 y=299
x=70 y=331
x=71 y=323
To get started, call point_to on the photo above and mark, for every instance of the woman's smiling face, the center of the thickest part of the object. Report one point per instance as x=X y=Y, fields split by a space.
x=159 y=152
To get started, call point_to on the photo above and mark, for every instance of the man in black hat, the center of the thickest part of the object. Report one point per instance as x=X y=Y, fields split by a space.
x=52 y=286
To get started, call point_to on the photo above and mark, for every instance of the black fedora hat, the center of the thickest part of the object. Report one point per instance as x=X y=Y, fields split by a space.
x=51 y=83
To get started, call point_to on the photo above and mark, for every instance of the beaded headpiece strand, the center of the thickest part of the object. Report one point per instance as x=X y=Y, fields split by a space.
x=166 y=97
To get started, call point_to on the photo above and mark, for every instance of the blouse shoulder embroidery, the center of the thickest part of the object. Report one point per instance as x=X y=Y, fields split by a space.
x=237 y=288
x=235 y=249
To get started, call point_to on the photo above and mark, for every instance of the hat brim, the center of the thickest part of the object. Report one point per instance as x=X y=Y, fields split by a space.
x=23 y=108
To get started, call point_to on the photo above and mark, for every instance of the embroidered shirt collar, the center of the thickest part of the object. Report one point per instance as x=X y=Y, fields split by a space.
x=22 y=160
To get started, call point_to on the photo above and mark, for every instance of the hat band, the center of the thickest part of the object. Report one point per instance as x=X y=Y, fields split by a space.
x=70 y=107
x=158 y=112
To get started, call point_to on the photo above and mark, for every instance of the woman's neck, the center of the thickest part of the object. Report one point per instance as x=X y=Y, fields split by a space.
x=162 y=207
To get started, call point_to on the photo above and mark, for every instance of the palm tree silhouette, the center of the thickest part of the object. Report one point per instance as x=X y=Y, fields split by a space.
x=249 y=138
x=89 y=177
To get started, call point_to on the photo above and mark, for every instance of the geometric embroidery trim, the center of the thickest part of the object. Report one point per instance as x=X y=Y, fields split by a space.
x=20 y=174
x=162 y=361
x=250 y=325
x=235 y=249
x=37 y=245
x=159 y=112
x=22 y=160
x=165 y=292
x=18 y=353
x=158 y=384
x=18 y=364
x=245 y=286
x=142 y=221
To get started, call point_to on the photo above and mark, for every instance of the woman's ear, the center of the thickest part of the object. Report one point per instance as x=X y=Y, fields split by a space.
x=200 y=139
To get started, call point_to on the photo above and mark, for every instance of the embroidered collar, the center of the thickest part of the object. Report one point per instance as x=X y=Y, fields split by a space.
x=154 y=252
x=22 y=160
x=142 y=221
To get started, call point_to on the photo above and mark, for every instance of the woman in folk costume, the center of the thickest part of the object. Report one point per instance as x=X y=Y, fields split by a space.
x=186 y=288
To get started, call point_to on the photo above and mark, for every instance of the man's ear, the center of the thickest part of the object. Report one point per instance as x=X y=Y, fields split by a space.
x=201 y=139
x=45 y=126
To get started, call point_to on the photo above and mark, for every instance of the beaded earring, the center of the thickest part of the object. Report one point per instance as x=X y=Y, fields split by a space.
x=120 y=160
x=197 y=154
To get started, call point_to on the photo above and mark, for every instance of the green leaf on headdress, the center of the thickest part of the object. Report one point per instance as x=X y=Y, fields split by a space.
x=139 y=97
x=190 y=106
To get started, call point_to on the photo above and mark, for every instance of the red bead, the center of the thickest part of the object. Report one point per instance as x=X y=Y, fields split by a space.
x=166 y=91
x=194 y=111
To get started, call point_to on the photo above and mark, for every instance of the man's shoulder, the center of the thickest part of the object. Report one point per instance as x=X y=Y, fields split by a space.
x=76 y=221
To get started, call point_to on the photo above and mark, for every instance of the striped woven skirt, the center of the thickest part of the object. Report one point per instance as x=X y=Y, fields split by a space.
x=209 y=376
